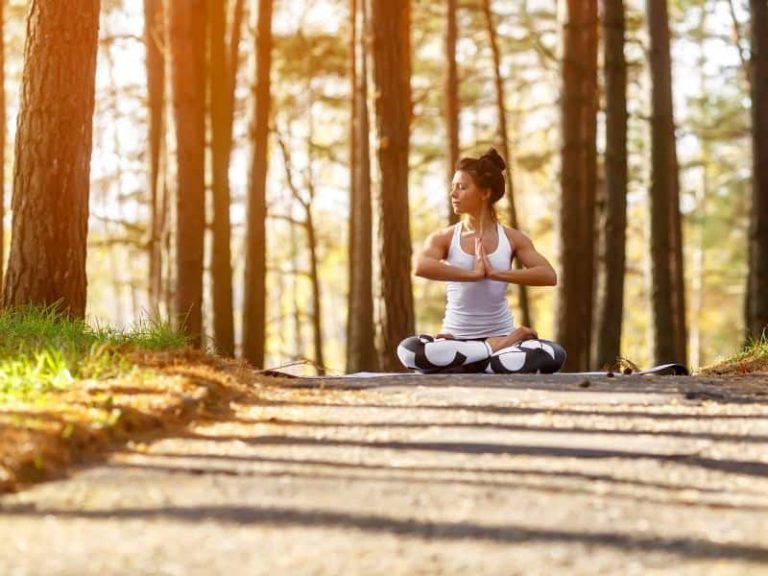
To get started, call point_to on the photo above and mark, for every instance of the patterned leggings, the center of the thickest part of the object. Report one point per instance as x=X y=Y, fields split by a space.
x=428 y=355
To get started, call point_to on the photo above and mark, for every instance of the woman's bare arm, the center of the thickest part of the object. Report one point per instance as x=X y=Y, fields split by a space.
x=537 y=271
x=429 y=262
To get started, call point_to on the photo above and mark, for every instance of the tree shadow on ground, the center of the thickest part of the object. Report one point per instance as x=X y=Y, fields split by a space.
x=512 y=409
x=521 y=480
x=380 y=425
x=743 y=467
x=508 y=534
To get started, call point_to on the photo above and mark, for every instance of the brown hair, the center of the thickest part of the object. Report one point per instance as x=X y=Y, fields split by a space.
x=487 y=171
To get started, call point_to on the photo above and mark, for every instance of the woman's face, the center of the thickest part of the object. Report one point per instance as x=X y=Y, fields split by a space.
x=466 y=196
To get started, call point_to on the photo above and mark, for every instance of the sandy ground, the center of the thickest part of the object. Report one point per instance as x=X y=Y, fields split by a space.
x=454 y=475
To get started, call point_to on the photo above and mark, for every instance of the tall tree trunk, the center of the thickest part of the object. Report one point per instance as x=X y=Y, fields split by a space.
x=314 y=268
x=666 y=230
x=2 y=142
x=314 y=275
x=390 y=59
x=361 y=333
x=298 y=336
x=578 y=181
x=223 y=73
x=698 y=251
x=611 y=308
x=188 y=53
x=452 y=109
x=503 y=135
x=154 y=43
x=254 y=311
x=53 y=154
x=757 y=314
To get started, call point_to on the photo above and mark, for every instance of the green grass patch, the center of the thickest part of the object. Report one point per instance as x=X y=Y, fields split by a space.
x=42 y=351
x=755 y=349
x=753 y=357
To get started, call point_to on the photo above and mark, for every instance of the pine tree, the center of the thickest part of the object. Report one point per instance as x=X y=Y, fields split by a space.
x=53 y=153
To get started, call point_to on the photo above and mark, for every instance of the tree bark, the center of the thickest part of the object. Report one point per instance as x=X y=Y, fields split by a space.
x=361 y=333
x=314 y=275
x=668 y=292
x=503 y=135
x=3 y=132
x=53 y=154
x=391 y=61
x=154 y=43
x=611 y=308
x=295 y=293
x=254 y=310
x=757 y=315
x=188 y=53
x=223 y=73
x=452 y=109
x=578 y=181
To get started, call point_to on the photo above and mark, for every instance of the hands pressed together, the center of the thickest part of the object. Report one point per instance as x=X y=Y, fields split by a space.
x=483 y=267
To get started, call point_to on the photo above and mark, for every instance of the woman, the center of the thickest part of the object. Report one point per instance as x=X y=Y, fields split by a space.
x=474 y=258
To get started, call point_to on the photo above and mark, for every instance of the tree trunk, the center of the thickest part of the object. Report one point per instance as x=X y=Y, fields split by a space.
x=188 y=53
x=757 y=315
x=361 y=349
x=698 y=251
x=390 y=59
x=578 y=181
x=314 y=275
x=223 y=73
x=666 y=233
x=452 y=109
x=611 y=308
x=53 y=154
x=525 y=309
x=2 y=142
x=295 y=293
x=154 y=43
x=254 y=310
x=314 y=268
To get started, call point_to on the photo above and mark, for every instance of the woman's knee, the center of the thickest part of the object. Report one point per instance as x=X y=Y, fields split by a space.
x=425 y=354
x=528 y=357
x=555 y=357
x=410 y=348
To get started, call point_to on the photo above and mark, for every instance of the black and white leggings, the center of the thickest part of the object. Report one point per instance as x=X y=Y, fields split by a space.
x=429 y=355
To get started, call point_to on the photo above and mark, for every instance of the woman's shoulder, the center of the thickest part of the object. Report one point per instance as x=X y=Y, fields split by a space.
x=515 y=236
x=440 y=239
x=445 y=232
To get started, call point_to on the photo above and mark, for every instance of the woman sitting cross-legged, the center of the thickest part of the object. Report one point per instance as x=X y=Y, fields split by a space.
x=474 y=258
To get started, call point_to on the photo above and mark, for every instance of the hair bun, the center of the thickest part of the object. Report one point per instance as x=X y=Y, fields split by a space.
x=493 y=156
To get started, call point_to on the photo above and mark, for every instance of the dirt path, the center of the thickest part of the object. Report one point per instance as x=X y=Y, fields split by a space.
x=435 y=475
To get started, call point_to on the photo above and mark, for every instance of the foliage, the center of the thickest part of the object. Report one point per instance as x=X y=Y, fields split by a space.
x=753 y=357
x=41 y=350
x=753 y=349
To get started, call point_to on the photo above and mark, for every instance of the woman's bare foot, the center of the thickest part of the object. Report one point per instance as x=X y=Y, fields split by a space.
x=514 y=337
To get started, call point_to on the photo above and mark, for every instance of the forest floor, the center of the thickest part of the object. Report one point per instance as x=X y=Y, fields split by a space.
x=219 y=469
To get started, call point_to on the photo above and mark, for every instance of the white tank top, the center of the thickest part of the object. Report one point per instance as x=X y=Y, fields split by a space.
x=478 y=309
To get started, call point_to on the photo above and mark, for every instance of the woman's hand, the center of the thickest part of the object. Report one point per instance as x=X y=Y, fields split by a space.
x=489 y=271
x=481 y=264
x=518 y=335
x=522 y=333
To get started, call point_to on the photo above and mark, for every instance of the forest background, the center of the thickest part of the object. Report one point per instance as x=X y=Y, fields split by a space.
x=308 y=177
